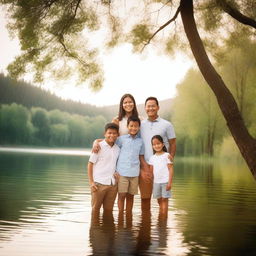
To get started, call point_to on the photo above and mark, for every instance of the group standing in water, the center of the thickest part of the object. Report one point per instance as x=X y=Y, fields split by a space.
x=135 y=153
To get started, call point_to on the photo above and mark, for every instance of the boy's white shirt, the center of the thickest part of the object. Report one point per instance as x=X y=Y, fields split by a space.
x=104 y=163
x=160 y=169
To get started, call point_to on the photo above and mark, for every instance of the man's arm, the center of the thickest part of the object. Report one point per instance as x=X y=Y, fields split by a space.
x=169 y=185
x=90 y=176
x=172 y=147
x=146 y=172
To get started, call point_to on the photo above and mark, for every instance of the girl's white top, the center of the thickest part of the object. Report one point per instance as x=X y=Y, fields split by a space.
x=160 y=169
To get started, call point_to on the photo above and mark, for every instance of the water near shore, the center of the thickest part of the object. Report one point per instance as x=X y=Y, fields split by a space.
x=45 y=210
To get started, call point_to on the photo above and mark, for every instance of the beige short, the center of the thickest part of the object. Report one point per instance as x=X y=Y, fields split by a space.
x=128 y=185
x=105 y=195
x=146 y=188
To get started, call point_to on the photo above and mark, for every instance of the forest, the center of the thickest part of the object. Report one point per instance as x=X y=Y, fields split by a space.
x=37 y=126
x=30 y=115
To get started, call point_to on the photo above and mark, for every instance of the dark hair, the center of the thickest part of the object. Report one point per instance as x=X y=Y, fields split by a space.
x=152 y=98
x=111 y=126
x=158 y=137
x=122 y=113
x=133 y=119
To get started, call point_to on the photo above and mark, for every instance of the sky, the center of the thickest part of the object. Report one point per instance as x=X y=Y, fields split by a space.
x=125 y=72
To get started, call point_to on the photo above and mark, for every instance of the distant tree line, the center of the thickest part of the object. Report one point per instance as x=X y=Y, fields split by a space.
x=29 y=96
x=37 y=126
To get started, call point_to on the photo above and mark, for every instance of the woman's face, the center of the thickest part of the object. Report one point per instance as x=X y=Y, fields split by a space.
x=128 y=104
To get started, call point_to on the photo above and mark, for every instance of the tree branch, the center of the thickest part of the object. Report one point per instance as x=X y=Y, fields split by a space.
x=234 y=13
x=162 y=27
x=70 y=54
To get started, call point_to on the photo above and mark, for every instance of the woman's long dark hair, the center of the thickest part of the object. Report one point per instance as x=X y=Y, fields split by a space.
x=122 y=113
x=158 y=137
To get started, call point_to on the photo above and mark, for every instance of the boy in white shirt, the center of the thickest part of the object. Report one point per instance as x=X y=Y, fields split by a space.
x=101 y=169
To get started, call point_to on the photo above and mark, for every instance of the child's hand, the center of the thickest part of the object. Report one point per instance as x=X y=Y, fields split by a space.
x=171 y=158
x=116 y=176
x=168 y=186
x=94 y=187
x=146 y=176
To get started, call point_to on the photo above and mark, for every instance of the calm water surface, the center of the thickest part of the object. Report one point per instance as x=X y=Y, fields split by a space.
x=45 y=210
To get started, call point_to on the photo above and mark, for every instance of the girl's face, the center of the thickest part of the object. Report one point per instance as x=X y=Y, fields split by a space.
x=128 y=105
x=157 y=145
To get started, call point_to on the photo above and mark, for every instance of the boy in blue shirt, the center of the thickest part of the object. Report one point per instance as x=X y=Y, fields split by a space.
x=128 y=165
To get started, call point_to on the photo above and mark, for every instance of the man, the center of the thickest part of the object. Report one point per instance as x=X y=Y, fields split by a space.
x=153 y=125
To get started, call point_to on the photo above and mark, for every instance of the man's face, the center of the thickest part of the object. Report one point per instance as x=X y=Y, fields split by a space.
x=133 y=127
x=111 y=135
x=151 y=108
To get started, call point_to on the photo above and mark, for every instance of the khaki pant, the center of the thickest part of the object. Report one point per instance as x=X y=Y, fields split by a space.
x=105 y=195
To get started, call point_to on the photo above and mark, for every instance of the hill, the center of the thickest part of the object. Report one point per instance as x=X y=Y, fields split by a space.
x=20 y=92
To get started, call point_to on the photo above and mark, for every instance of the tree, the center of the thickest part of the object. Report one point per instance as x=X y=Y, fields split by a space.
x=15 y=124
x=196 y=116
x=245 y=142
x=41 y=122
x=51 y=29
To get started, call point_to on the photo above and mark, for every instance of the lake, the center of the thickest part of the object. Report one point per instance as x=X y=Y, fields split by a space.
x=45 y=210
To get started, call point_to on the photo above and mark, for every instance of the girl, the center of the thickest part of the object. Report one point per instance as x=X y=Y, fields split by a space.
x=162 y=168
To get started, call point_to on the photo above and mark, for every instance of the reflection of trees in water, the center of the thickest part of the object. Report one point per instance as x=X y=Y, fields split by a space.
x=31 y=186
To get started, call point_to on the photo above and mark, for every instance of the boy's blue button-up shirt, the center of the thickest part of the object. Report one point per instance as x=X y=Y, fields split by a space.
x=128 y=163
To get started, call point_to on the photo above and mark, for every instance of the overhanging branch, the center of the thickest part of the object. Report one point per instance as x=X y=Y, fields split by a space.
x=162 y=27
x=234 y=13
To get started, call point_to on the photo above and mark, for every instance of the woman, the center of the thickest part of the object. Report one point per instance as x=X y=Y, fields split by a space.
x=127 y=108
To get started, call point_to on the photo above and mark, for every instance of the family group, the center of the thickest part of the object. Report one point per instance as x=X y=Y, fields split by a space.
x=135 y=153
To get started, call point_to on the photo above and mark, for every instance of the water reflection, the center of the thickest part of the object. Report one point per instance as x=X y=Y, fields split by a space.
x=45 y=210
x=143 y=234
x=122 y=238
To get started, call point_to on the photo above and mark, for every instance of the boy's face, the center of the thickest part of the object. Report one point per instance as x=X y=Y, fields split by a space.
x=133 y=127
x=111 y=135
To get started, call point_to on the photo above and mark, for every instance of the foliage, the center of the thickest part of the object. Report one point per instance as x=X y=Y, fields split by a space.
x=50 y=34
x=36 y=126
x=198 y=122
x=238 y=68
x=197 y=119
x=15 y=124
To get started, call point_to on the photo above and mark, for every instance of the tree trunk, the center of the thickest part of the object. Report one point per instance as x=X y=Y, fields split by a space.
x=245 y=142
